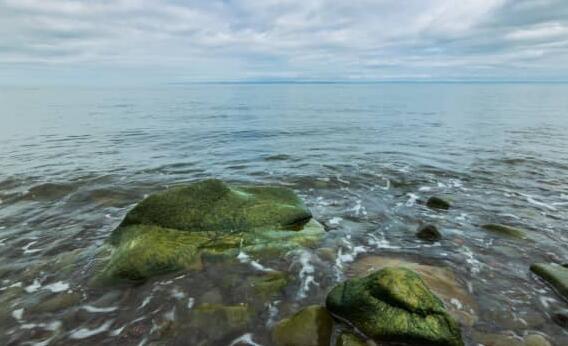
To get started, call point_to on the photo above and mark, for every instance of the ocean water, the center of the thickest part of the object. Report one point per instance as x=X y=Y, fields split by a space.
x=363 y=156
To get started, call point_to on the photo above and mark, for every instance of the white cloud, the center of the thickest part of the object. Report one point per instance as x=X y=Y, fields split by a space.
x=315 y=39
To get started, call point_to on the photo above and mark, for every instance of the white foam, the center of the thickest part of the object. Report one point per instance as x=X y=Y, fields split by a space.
x=83 y=333
x=306 y=274
x=246 y=259
x=18 y=314
x=17 y=284
x=33 y=287
x=425 y=189
x=335 y=220
x=145 y=302
x=359 y=209
x=533 y=201
x=177 y=294
x=57 y=287
x=412 y=198
x=190 y=302
x=95 y=309
x=27 y=246
x=342 y=180
x=272 y=313
x=246 y=339
x=381 y=243
x=475 y=265
x=455 y=302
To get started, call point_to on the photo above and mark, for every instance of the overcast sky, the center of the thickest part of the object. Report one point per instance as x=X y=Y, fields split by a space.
x=58 y=41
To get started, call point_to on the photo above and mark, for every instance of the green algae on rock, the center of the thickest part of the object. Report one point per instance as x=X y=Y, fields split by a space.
x=172 y=230
x=505 y=230
x=310 y=326
x=394 y=305
x=556 y=275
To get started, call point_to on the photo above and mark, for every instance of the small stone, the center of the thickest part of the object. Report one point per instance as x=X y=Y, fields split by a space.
x=505 y=230
x=310 y=326
x=429 y=233
x=437 y=203
x=536 y=340
x=560 y=317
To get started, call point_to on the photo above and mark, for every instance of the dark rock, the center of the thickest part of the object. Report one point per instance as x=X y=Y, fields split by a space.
x=437 y=203
x=428 y=233
x=394 y=305
x=310 y=326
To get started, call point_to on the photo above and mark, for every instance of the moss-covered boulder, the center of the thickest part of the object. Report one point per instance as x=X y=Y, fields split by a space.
x=504 y=230
x=394 y=305
x=556 y=275
x=310 y=326
x=172 y=230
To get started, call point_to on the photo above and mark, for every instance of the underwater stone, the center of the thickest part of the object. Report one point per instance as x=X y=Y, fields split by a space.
x=348 y=339
x=505 y=230
x=394 y=305
x=172 y=230
x=560 y=317
x=225 y=318
x=310 y=326
x=437 y=203
x=556 y=275
x=428 y=233
x=535 y=340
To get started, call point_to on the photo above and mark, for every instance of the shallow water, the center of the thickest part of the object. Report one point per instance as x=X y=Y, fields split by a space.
x=364 y=157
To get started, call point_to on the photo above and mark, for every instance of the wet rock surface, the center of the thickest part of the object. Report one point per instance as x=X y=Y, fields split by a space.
x=395 y=305
x=555 y=275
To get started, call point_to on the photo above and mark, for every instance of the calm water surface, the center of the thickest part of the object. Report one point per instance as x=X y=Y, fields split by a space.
x=75 y=160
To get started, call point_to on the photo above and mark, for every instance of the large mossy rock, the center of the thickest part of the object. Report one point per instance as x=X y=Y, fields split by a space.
x=171 y=230
x=556 y=275
x=394 y=305
x=310 y=326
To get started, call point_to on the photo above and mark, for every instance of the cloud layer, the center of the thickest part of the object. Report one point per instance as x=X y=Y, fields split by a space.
x=178 y=40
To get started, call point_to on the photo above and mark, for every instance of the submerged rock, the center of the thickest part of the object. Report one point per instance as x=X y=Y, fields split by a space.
x=556 y=275
x=437 y=203
x=428 y=233
x=310 y=326
x=560 y=317
x=394 y=304
x=270 y=284
x=505 y=230
x=171 y=230
x=535 y=340
x=218 y=320
x=348 y=339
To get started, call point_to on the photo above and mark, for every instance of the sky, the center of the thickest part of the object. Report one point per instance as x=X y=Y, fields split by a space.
x=176 y=41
